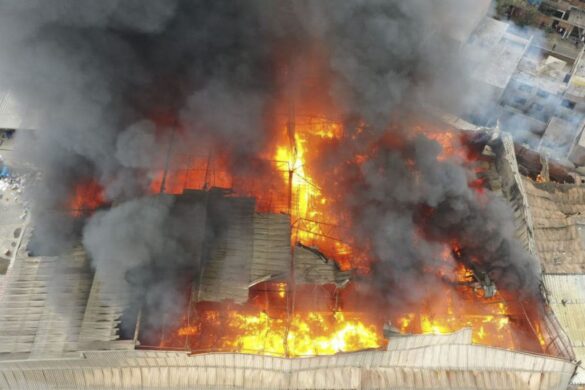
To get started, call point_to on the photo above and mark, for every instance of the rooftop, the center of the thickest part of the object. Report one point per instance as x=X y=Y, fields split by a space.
x=577 y=83
x=498 y=52
x=566 y=296
x=421 y=363
x=558 y=137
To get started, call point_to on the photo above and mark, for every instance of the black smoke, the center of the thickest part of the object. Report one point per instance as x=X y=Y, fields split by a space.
x=111 y=82
x=407 y=202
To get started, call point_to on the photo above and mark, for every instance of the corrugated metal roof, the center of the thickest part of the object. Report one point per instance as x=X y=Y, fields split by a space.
x=558 y=214
x=432 y=366
x=59 y=325
x=314 y=269
x=105 y=306
x=251 y=246
x=258 y=248
x=271 y=245
x=28 y=323
x=567 y=299
x=461 y=337
x=513 y=189
x=226 y=272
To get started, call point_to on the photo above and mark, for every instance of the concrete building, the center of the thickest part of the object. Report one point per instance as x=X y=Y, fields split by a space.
x=496 y=54
x=538 y=97
x=568 y=14
x=533 y=96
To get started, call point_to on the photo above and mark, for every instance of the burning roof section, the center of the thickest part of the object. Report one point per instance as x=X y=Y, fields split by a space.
x=274 y=287
x=258 y=245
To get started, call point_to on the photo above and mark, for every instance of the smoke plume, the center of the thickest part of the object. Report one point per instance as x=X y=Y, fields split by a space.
x=112 y=82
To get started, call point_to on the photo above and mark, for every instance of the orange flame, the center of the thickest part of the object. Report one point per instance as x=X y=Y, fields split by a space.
x=87 y=196
x=307 y=334
x=295 y=188
x=459 y=304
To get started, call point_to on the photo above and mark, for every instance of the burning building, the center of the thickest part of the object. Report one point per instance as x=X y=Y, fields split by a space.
x=271 y=207
x=251 y=290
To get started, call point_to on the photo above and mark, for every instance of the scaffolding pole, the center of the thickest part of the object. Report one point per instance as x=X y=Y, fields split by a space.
x=291 y=285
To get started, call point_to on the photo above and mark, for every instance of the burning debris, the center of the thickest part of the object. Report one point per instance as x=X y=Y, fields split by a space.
x=174 y=128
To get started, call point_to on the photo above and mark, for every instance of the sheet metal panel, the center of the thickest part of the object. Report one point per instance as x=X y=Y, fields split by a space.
x=450 y=367
x=566 y=295
x=226 y=273
x=271 y=245
x=463 y=336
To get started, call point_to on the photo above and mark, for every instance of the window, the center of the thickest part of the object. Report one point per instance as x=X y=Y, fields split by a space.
x=524 y=87
x=519 y=101
x=541 y=93
x=568 y=104
x=567 y=78
x=565 y=16
x=537 y=107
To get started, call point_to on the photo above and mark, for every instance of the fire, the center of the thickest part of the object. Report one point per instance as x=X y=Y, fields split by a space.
x=302 y=188
x=307 y=334
x=282 y=290
x=460 y=302
x=294 y=184
x=450 y=144
x=309 y=202
x=87 y=196
x=187 y=331
x=290 y=177
x=490 y=322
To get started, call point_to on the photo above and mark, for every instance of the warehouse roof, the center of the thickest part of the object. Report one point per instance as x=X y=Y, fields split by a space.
x=29 y=322
x=566 y=295
x=558 y=215
x=436 y=365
